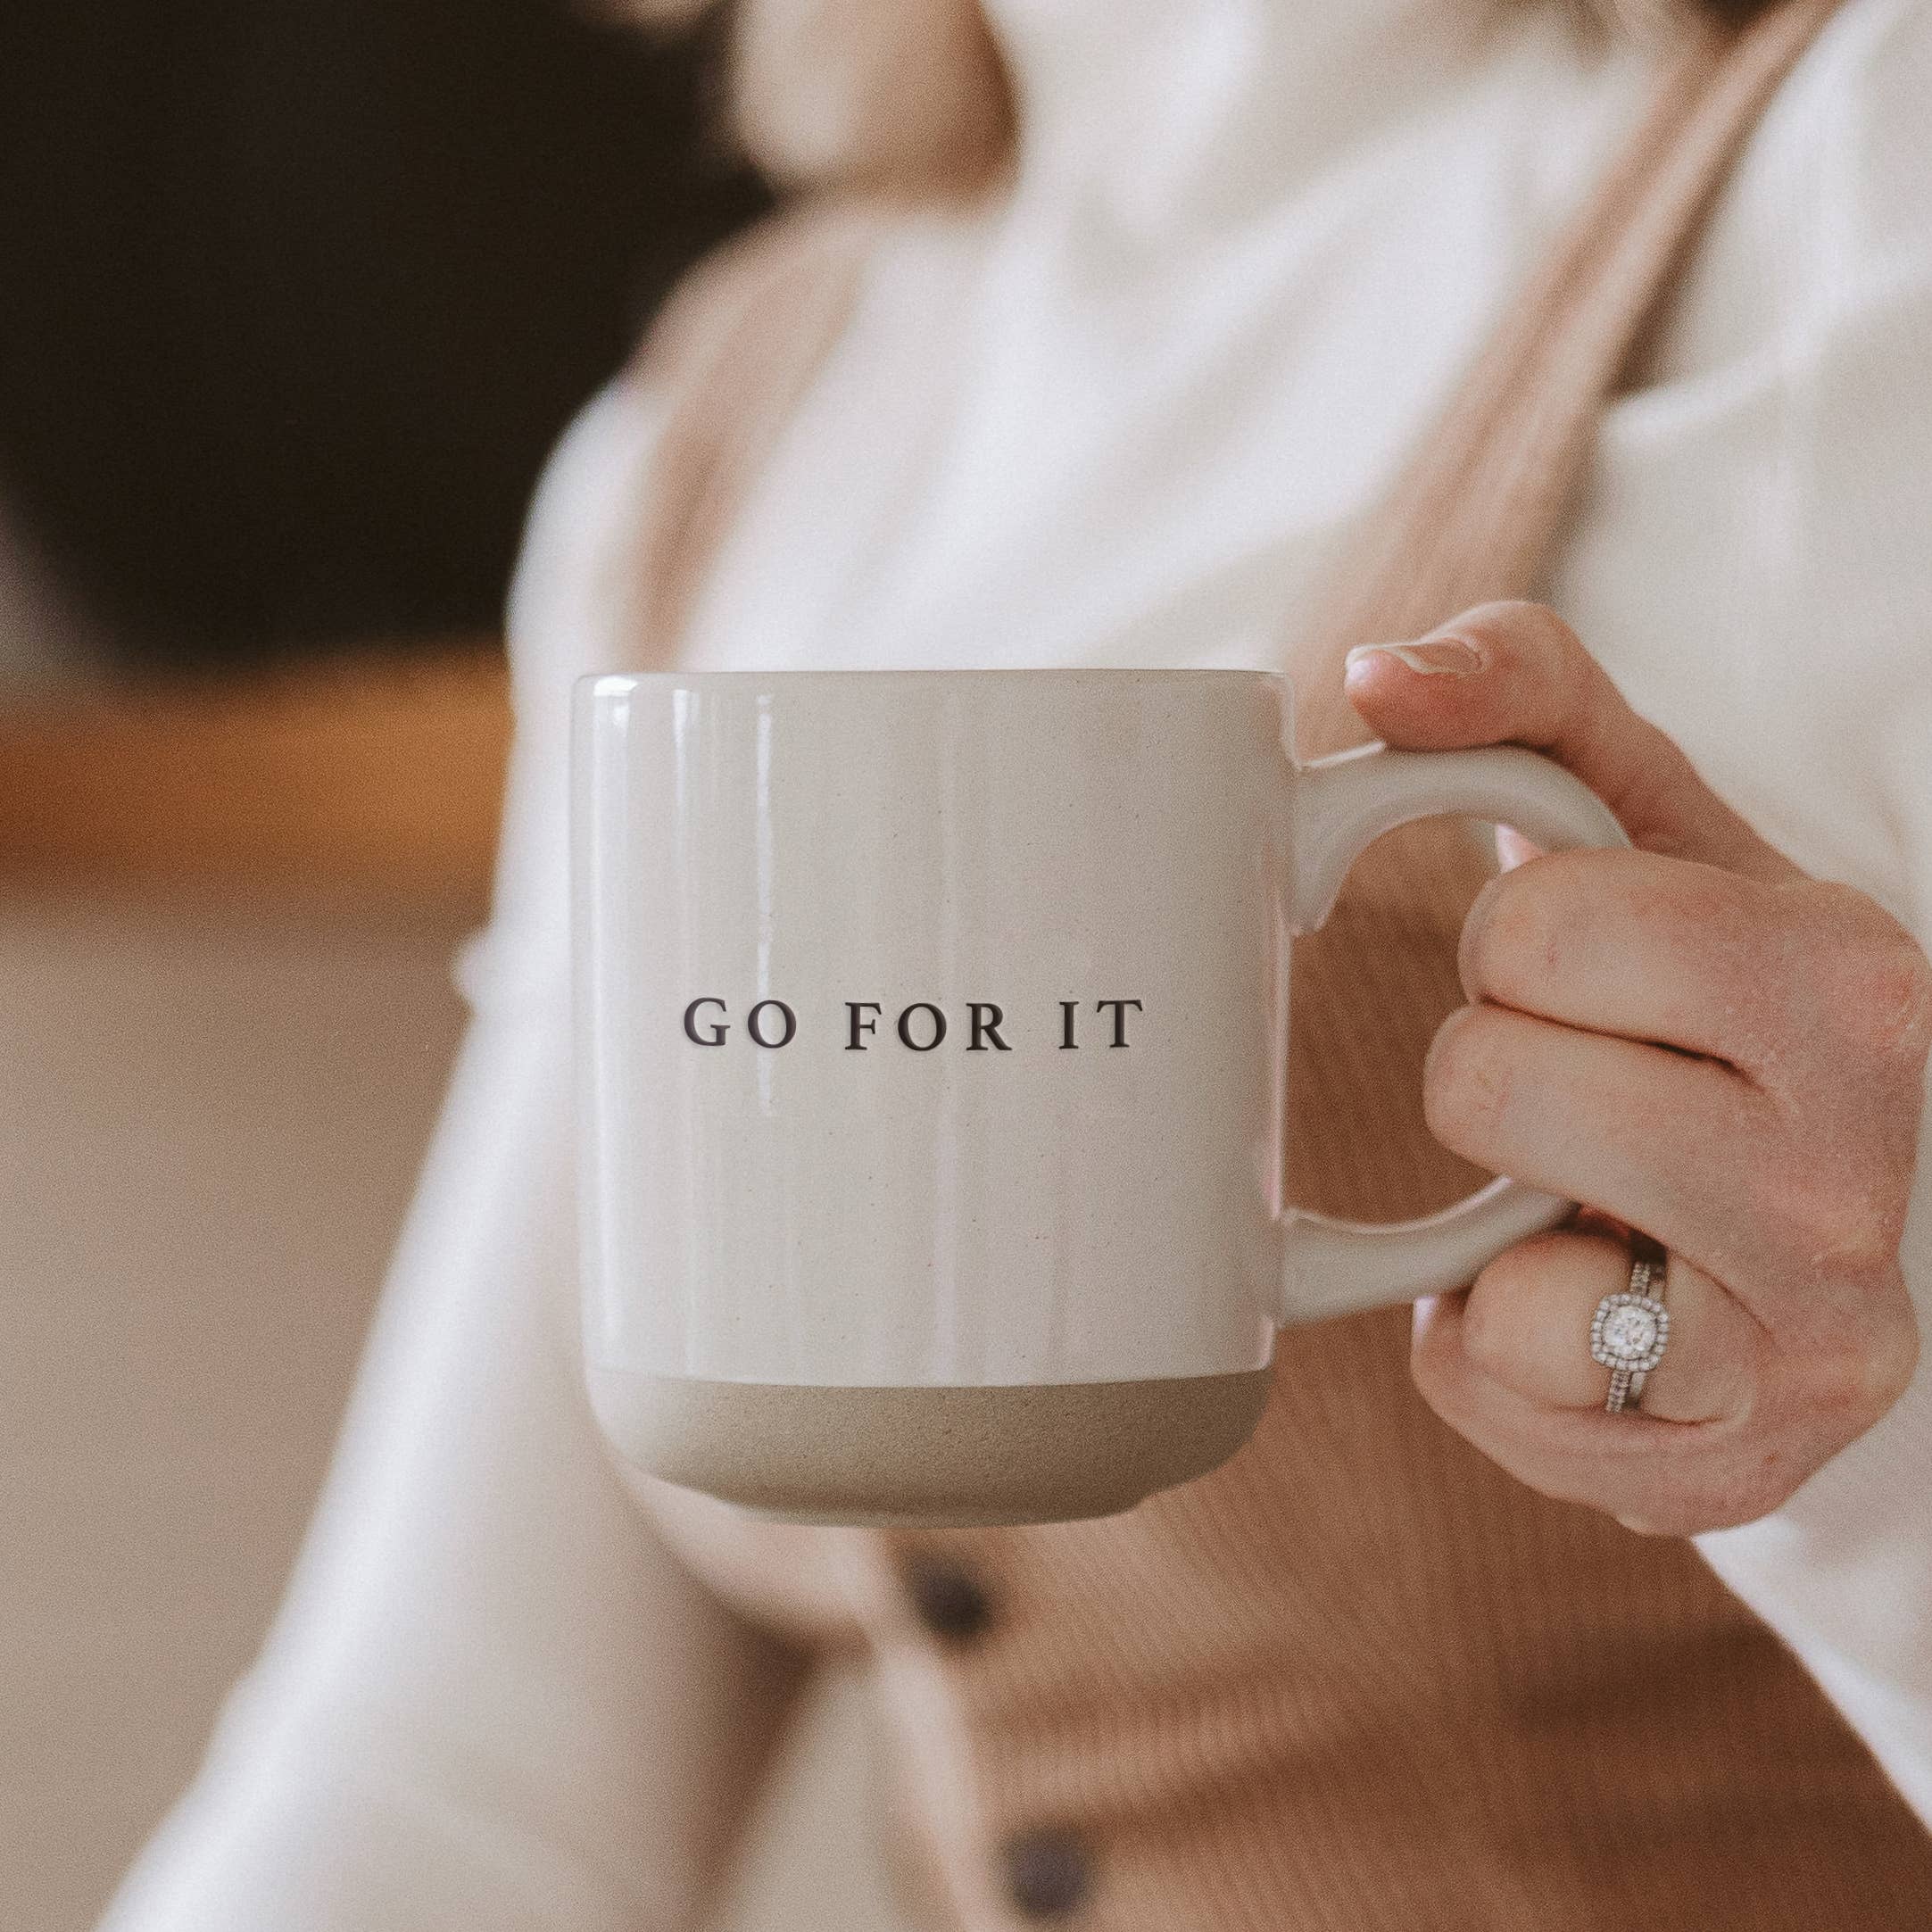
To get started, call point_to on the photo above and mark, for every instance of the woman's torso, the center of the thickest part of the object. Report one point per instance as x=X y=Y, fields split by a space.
x=1135 y=412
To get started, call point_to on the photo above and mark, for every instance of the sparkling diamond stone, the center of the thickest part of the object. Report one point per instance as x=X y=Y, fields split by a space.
x=1629 y=1331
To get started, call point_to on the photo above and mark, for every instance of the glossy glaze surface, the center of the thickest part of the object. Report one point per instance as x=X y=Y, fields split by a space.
x=1004 y=1212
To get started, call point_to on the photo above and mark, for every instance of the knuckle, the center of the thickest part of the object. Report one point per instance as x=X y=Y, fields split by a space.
x=1877 y=984
x=1523 y=630
x=1839 y=1233
x=1466 y=1080
x=1537 y=622
x=1890 y=1366
x=1844 y=1385
x=1782 y=1201
x=1863 y=1243
x=1874 y=1198
x=1896 y=1001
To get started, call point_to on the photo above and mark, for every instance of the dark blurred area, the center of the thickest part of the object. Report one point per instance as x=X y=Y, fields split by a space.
x=294 y=297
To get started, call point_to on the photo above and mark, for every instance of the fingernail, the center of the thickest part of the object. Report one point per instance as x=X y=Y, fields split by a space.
x=1439 y=657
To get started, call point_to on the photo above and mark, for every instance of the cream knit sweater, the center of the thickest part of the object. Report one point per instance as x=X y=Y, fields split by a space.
x=1132 y=414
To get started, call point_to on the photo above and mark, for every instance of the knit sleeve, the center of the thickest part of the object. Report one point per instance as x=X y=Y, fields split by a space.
x=1844 y=1571
x=1754 y=565
x=491 y=1699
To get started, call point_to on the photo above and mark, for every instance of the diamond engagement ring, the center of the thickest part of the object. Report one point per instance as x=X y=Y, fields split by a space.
x=1630 y=1328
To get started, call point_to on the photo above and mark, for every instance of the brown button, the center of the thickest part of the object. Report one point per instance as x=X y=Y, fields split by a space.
x=949 y=1599
x=1048 y=1873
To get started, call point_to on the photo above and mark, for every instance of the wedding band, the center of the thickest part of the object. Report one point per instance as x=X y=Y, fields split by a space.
x=1630 y=1328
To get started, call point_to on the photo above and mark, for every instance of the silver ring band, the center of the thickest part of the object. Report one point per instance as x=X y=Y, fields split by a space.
x=1632 y=1328
x=1646 y=1279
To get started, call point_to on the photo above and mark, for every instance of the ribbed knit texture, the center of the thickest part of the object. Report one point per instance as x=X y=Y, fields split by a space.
x=1359 y=1679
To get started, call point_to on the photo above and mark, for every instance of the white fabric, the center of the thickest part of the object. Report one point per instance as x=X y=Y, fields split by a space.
x=1127 y=418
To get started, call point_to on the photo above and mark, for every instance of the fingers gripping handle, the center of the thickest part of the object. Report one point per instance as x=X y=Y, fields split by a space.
x=1343 y=803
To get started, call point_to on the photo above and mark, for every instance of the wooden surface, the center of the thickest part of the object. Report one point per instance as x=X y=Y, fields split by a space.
x=371 y=776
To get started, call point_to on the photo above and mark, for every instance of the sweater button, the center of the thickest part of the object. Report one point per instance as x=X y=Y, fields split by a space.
x=1048 y=1873
x=947 y=1598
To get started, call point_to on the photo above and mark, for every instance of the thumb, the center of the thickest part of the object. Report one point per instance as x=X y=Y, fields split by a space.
x=1515 y=674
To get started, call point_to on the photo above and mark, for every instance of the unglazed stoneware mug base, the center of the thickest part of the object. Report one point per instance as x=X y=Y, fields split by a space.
x=932 y=1074
x=931 y=1458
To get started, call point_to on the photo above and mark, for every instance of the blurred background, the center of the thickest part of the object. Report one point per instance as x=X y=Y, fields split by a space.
x=293 y=301
x=296 y=297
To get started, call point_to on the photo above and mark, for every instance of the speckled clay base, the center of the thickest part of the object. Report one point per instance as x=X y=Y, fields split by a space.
x=930 y=1457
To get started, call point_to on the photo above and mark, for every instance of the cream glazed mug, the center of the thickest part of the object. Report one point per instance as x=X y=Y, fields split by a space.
x=933 y=1068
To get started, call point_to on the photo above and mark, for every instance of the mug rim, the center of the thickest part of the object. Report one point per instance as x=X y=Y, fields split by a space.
x=596 y=682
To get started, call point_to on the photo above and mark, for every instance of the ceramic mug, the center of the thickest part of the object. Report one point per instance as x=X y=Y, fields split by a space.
x=933 y=1070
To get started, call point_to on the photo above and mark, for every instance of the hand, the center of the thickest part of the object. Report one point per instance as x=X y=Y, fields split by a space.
x=1693 y=1038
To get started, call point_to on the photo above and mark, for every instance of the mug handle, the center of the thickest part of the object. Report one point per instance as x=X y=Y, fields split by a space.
x=1341 y=1267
